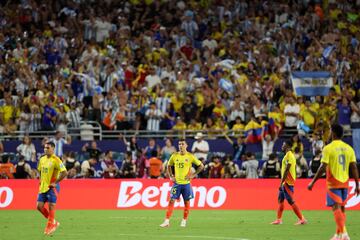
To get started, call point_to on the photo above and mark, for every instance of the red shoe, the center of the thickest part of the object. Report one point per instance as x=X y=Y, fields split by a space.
x=277 y=222
x=301 y=222
x=47 y=228
x=53 y=228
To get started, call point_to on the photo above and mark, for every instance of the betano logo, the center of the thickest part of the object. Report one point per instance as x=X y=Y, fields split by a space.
x=353 y=200
x=6 y=196
x=132 y=194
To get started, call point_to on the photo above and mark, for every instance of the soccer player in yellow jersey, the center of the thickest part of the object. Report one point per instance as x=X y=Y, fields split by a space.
x=286 y=189
x=52 y=171
x=182 y=162
x=337 y=158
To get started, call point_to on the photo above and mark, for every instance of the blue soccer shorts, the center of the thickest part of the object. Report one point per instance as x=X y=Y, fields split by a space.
x=49 y=196
x=286 y=192
x=337 y=195
x=181 y=189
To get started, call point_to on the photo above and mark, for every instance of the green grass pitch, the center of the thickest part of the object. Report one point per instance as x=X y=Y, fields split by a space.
x=144 y=224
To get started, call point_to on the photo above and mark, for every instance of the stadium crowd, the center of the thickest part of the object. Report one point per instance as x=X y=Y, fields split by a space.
x=209 y=65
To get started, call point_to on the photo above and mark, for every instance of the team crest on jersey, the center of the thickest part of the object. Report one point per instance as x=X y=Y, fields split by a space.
x=186 y=160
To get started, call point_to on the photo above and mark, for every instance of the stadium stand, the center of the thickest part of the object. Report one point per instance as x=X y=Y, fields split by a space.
x=91 y=69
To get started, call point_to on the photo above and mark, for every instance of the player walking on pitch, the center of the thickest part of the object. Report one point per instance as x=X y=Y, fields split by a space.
x=336 y=159
x=52 y=171
x=182 y=162
x=286 y=189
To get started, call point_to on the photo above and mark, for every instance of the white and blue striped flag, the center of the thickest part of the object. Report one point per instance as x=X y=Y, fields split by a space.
x=311 y=83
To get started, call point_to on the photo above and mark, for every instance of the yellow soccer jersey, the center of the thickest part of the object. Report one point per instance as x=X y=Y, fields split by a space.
x=182 y=165
x=338 y=156
x=289 y=158
x=49 y=169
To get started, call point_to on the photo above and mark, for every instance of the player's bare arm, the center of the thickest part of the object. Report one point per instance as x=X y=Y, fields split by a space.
x=355 y=173
x=318 y=174
x=198 y=170
x=62 y=175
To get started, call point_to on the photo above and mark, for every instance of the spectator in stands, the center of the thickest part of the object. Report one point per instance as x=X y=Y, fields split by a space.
x=8 y=110
x=316 y=143
x=291 y=111
x=239 y=148
x=271 y=168
x=7 y=169
x=23 y=169
x=131 y=146
x=344 y=113
x=93 y=150
x=180 y=126
x=153 y=116
x=72 y=166
x=49 y=117
x=200 y=147
x=315 y=164
x=109 y=167
x=169 y=118
x=128 y=168
x=150 y=148
x=308 y=114
x=205 y=172
x=215 y=167
x=87 y=168
x=27 y=149
x=155 y=165
x=1 y=147
x=302 y=167
x=250 y=166
x=35 y=119
x=59 y=142
x=238 y=127
x=297 y=143
x=267 y=145
x=167 y=150
x=237 y=110
x=141 y=165
x=10 y=127
x=73 y=116
x=230 y=169
x=24 y=119
x=189 y=109
x=61 y=119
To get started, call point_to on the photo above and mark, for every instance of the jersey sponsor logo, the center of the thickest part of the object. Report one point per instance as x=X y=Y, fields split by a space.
x=6 y=196
x=132 y=194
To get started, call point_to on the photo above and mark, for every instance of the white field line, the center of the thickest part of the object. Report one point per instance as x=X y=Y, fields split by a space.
x=182 y=236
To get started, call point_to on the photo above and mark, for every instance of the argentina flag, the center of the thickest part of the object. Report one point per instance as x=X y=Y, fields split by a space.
x=311 y=83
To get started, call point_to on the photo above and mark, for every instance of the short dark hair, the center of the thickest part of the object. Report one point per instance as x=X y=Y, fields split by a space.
x=182 y=140
x=337 y=130
x=52 y=144
x=154 y=153
x=272 y=156
x=289 y=143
